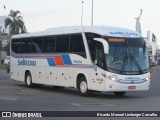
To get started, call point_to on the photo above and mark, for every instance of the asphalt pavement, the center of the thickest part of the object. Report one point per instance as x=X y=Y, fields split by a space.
x=15 y=96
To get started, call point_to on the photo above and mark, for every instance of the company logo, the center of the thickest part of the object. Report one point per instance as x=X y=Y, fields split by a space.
x=98 y=79
x=132 y=78
x=124 y=34
x=27 y=62
x=78 y=61
x=21 y=114
x=6 y=114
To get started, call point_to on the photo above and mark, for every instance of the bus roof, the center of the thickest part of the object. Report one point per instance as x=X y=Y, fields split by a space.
x=102 y=30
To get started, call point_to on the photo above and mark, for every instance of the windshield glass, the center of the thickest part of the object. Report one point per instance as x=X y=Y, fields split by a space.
x=127 y=55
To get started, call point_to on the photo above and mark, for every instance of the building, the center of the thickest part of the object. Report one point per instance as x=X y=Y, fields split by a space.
x=152 y=45
x=4 y=46
x=2 y=25
x=4 y=39
x=158 y=56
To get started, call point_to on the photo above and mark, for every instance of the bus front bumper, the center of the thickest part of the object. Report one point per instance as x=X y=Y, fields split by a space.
x=114 y=86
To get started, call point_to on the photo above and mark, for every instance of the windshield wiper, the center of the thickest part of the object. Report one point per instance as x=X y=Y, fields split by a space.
x=124 y=61
x=134 y=60
x=136 y=63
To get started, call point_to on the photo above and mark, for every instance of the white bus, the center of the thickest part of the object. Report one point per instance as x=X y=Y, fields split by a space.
x=98 y=58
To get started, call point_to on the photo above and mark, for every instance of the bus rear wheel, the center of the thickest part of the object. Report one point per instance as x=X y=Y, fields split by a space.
x=28 y=80
x=119 y=93
x=83 y=87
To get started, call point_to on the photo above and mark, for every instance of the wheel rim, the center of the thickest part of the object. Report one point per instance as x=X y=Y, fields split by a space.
x=29 y=80
x=83 y=87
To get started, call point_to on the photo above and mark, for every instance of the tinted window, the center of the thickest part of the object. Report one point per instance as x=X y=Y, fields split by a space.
x=16 y=45
x=99 y=54
x=26 y=45
x=92 y=43
x=62 y=44
x=37 y=45
x=77 y=44
x=49 y=44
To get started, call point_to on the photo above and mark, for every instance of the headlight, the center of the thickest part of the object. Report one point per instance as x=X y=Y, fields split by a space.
x=114 y=79
x=147 y=78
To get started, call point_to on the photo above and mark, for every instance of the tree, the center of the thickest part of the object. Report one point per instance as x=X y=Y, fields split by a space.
x=15 y=23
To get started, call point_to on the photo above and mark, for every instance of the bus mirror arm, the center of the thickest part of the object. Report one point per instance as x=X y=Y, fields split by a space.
x=105 y=44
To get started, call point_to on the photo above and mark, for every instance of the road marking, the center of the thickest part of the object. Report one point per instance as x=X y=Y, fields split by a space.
x=8 y=98
x=92 y=104
x=76 y=104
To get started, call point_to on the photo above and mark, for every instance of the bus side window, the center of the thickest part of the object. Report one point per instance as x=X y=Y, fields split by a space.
x=62 y=44
x=16 y=45
x=49 y=44
x=37 y=44
x=77 y=45
x=26 y=45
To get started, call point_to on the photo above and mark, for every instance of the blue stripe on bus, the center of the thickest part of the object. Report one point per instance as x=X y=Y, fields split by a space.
x=51 y=62
x=66 y=59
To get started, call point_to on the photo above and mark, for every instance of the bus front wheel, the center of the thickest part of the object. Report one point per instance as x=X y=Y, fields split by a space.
x=83 y=87
x=28 y=80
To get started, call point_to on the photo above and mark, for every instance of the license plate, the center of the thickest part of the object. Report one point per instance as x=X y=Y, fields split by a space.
x=131 y=87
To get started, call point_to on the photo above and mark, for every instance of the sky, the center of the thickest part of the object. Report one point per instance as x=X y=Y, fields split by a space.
x=43 y=14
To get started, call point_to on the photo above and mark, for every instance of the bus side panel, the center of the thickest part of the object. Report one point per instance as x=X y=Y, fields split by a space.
x=80 y=65
x=51 y=75
x=17 y=71
x=35 y=66
x=14 y=68
x=63 y=76
x=38 y=70
x=97 y=79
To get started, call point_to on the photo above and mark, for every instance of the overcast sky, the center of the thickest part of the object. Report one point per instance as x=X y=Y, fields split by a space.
x=42 y=14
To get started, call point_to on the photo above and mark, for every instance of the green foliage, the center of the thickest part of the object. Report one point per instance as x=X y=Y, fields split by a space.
x=15 y=23
x=2 y=66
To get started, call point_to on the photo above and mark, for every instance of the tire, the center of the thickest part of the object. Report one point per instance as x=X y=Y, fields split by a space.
x=119 y=93
x=8 y=71
x=28 y=80
x=83 y=87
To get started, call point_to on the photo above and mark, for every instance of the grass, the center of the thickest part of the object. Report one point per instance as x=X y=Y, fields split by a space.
x=2 y=66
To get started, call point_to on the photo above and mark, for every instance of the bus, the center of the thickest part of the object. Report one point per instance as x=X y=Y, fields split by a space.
x=89 y=58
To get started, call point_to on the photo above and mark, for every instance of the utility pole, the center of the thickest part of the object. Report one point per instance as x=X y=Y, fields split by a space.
x=92 y=15
x=82 y=13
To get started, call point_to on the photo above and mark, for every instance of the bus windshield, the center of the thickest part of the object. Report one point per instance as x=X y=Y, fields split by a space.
x=127 y=56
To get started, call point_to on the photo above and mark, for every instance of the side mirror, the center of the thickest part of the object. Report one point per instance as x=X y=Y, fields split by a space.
x=105 y=44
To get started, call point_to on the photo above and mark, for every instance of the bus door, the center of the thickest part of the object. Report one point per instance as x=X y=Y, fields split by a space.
x=98 y=72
